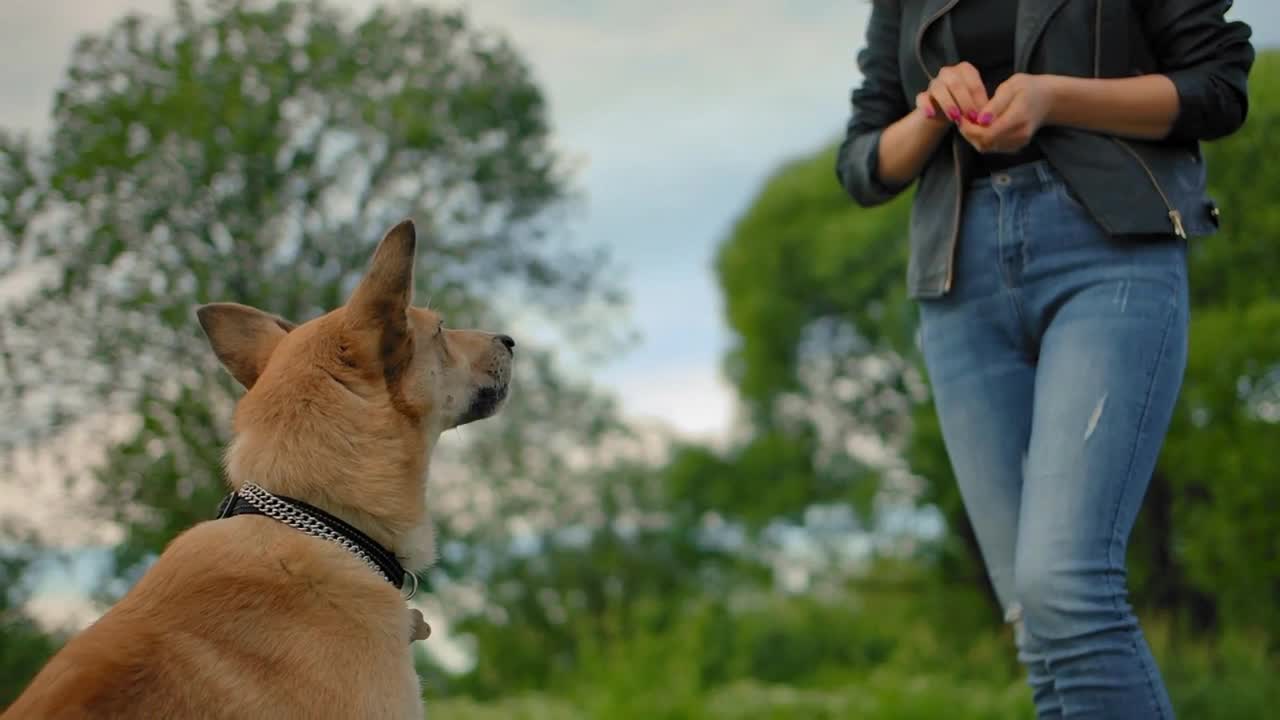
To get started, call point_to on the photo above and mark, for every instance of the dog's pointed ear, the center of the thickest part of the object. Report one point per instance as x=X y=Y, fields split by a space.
x=242 y=337
x=381 y=300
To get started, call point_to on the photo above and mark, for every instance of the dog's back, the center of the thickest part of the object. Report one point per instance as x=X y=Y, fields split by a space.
x=239 y=619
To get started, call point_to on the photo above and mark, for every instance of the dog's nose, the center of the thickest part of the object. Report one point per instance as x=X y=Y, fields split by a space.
x=508 y=341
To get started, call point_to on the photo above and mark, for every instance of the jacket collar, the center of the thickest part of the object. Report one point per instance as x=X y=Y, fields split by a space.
x=934 y=22
x=1033 y=17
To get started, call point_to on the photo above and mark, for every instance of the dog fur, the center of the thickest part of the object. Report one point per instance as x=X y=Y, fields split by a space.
x=247 y=618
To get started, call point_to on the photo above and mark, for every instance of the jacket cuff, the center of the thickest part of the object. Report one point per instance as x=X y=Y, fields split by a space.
x=1207 y=109
x=859 y=171
x=1190 y=120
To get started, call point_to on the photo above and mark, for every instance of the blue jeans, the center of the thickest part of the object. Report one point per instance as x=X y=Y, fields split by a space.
x=1055 y=363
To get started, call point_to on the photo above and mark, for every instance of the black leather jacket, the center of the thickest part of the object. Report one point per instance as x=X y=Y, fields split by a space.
x=1130 y=188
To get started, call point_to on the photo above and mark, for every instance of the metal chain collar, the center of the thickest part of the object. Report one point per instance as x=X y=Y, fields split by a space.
x=277 y=509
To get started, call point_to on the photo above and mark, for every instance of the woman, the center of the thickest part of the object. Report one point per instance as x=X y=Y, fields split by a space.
x=1055 y=144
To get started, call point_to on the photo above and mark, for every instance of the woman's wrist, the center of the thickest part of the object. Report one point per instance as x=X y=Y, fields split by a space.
x=929 y=130
x=1055 y=92
x=935 y=125
x=1063 y=97
x=906 y=146
x=1142 y=107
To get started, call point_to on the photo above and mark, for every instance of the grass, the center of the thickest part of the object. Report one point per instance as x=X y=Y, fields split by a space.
x=655 y=678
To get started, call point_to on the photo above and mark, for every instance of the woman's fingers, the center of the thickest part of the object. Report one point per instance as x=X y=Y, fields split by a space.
x=941 y=94
x=926 y=104
x=958 y=89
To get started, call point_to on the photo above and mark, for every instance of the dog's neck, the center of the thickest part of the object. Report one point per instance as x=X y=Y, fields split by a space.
x=250 y=499
x=388 y=506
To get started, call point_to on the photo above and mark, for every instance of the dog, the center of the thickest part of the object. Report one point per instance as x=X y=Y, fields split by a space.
x=289 y=605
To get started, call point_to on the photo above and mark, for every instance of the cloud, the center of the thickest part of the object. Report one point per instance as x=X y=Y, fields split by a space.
x=69 y=611
x=692 y=399
x=602 y=56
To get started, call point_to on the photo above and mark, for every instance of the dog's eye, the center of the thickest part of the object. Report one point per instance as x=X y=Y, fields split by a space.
x=439 y=329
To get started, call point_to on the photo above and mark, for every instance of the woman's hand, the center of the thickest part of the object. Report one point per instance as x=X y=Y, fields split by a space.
x=957 y=93
x=934 y=119
x=1007 y=123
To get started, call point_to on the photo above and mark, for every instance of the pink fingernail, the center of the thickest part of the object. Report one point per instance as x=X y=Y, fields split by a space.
x=930 y=113
x=954 y=114
x=986 y=119
x=973 y=116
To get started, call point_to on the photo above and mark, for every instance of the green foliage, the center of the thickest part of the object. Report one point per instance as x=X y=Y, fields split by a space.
x=24 y=647
x=898 y=661
x=773 y=475
x=554 y=610
x=785 y=657
x=1231 y=677
x=535 y=707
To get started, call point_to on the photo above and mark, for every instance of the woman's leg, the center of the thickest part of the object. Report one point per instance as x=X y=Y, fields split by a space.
x=1112 y=320
x=983 y=380
x=982 y=391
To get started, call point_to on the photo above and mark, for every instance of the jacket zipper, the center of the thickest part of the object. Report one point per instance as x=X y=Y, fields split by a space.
x=1175 y=216
x=1097 y=40
x=955 y=150
x=955 y=223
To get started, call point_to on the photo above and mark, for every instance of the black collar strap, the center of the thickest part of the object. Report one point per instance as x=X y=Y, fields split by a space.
x=253 y=500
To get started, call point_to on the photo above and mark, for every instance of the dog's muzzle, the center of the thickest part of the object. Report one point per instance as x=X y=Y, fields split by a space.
x=487 y=401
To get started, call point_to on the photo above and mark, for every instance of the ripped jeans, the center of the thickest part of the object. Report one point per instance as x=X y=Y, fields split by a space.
x=1055 y=364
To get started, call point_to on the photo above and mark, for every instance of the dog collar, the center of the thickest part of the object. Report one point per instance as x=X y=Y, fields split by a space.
x=251 y=499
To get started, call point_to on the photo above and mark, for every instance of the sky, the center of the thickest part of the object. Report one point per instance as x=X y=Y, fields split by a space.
x=677 y=112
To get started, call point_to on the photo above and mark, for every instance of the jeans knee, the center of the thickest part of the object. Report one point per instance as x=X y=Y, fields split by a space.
x=1058 y=605
x=1046 y=601
x=1034 y=592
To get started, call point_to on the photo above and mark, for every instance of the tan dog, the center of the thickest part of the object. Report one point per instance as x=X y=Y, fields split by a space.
x=247 y=617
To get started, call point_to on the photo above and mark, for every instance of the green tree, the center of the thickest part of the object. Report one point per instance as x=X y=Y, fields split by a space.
x=253 y=152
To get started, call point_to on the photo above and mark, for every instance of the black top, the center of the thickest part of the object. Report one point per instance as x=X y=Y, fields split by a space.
x=984 y=31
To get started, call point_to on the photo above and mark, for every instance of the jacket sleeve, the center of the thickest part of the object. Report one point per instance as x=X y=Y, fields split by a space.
x=877 y=103
x=1208 y=58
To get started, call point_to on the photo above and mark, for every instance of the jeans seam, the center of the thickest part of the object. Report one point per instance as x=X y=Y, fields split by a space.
x=1128 y=480
x=1001 y=226
x=1018 y=227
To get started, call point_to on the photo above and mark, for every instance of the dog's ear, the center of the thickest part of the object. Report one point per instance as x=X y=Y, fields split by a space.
x=381 y=301
x=242 y=337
